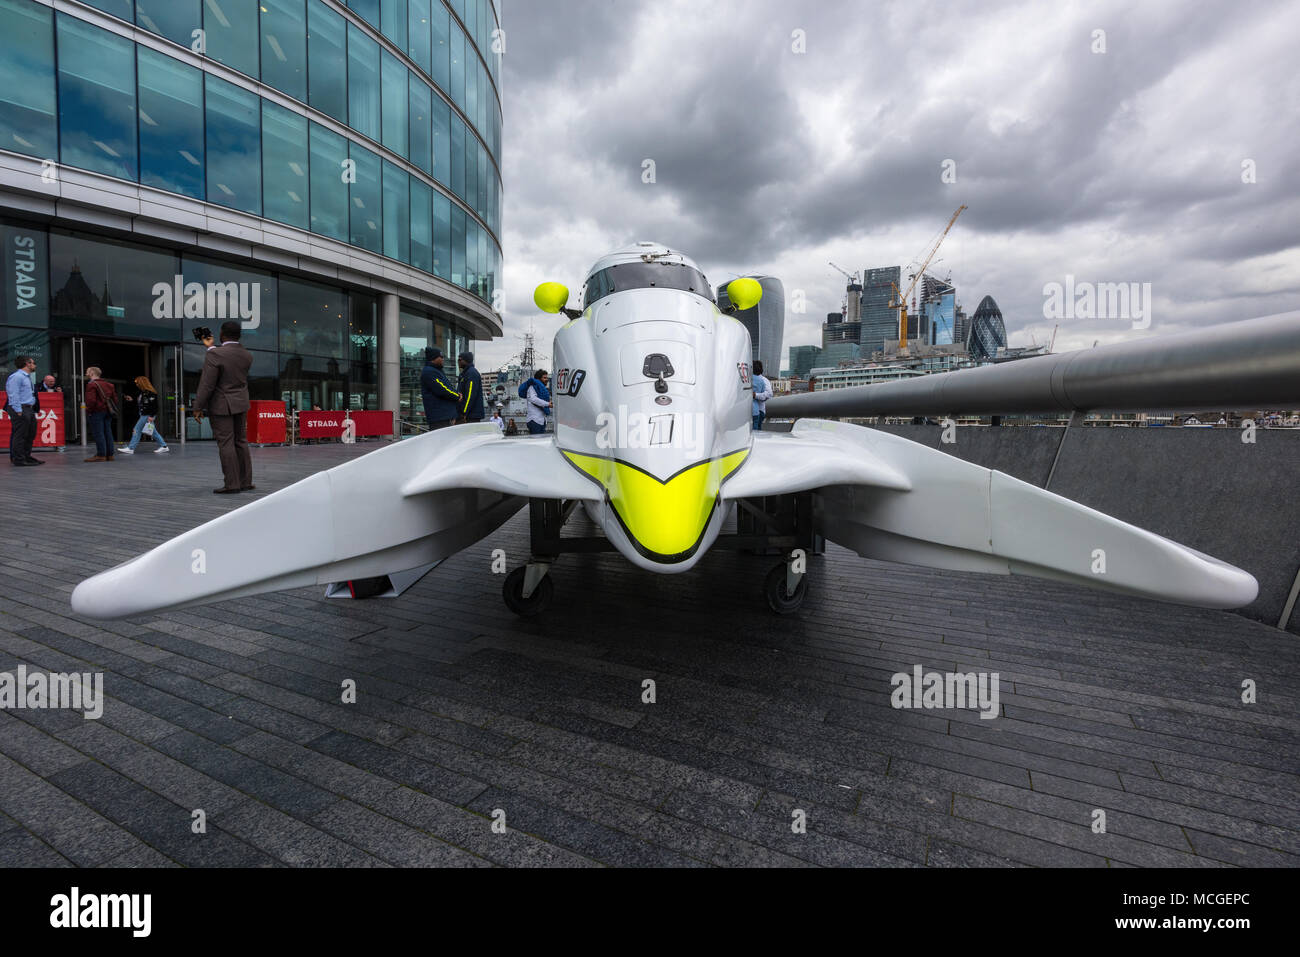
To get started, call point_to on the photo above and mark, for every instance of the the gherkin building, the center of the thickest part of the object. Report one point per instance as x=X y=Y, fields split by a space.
x=987 y=334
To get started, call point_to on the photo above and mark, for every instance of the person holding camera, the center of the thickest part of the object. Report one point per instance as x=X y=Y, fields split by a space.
x=223 y=396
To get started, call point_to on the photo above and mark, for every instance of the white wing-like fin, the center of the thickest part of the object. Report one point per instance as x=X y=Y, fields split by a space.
x=965 y=517
x=357 y=520
x=805 y=459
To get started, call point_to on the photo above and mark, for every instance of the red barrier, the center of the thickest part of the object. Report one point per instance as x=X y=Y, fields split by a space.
x=329 y=425
x=266 y=423
x=49 y=422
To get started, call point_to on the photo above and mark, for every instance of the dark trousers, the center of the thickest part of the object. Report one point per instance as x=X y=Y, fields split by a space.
x=101 y=430
x=536 y=428
x=24 y=432
x=232 y=445
x=441 y=424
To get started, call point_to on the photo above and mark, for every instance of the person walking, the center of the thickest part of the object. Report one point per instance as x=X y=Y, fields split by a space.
x=762 y=392
x=538 y=396
x=223 y=396
x=441 y=400
x=147 y=408
x=470 y=387
x=20 y=406
x=101 y=407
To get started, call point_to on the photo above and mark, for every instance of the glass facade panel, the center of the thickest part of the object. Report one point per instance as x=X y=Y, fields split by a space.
x=471 y=84
x=441 y=236
x=284 y=46
x=27 y=103
x=397 y=220
x=457 y=63
x=395 y=99
x=230 y=32
x=440 y=43
x=471 y=253
x=108 y=288
x=363 y=83
x=308 y=382
x=441 y=141
x=421 y=104
x=418 y=33
x=457 y=156
x=174 y=19
x=329 y=191
x=367 y=10
x=458 y=246
x=471 y=170
x=284 y=166
x=363 y=338
x=229 y=292
x=96 y=99
x=421 y=225
x=327 y=61
x=366 y=209
x=171 y=124
x=312 y=319
x=392 y=21
x=234 y=148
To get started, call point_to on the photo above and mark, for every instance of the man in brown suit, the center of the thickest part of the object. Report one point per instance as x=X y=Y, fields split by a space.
x=223 y=395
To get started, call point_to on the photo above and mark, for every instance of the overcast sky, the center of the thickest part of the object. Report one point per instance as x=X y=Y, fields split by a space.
x=1116 y=166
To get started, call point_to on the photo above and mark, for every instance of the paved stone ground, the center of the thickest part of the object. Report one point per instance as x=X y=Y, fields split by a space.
x=1117 y=704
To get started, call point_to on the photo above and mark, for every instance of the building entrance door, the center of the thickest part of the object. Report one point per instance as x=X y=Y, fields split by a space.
x=120 y=362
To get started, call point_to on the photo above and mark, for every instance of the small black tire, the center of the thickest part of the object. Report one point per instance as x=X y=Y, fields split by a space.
x=779 y=599
x=536 y=603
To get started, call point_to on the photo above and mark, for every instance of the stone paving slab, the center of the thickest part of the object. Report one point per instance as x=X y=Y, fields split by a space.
x=771 y=741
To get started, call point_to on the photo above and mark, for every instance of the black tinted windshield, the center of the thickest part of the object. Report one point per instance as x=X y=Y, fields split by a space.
x=643 y=275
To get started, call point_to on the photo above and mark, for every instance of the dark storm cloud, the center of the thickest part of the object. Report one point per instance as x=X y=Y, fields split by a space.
x=1116 y=166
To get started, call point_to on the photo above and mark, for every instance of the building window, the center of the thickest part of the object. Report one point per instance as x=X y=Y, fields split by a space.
x=418 y=33
x=234 y=147
x=329 y=191
x=284 y=165
x=457 y=88
x=107 y=288
x=27 y=104
x=457 y=156
x=174 y=19
x=367 y=10
x=118 y=8
x=441 y=141
x=421 y=143
x=230 y=33
x=312 y=319
x=471 y=254
x=471 y=84
x=421 y=225
x=171 y=124
x=395 y=99
x=96 y=99
x=397 y=221
x=458 y=246
x=231 y=292
x=363 y=83
x=392 y=21
x=327 y=60
x=440 y=43
x=366 y=211
x=284 y=46
x=441 y=236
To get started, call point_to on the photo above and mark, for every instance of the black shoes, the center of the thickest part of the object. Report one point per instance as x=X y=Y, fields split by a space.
x=19 y=463
x=247 y=488
x=225 y=491
x=33 y=462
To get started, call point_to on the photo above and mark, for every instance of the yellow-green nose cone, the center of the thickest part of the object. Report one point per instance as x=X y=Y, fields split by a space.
x=551 y=296
x=744 y=293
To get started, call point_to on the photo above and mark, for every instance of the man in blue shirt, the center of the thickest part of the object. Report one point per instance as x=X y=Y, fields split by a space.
x=20 y=405
x=762 y=392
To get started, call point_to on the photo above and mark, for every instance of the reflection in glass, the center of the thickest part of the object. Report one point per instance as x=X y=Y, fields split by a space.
x=171 y=124
x=102 y=287
x=329 y=193
x=397 y=226
x=417 y=47
x=471 y=254
x=363 y=83
x=457 y=87
x=368 y=10
x=458 y=246
x=327 y=61
x=366 y=210
x=230 y=28
x=421 y=225
x=363 y=321
x=174 y=19
x=441 y=236
x=420 y=107
x=394 y=103
x=27 y=104
x=440 y=41
x=284 y=165
x=471 y=169
x=284 y=46
x=392 y=21
x=96 y=99
x=233 y=146
x=457 y=156
x=441 y=141
x=231 y=292
x=312 y=319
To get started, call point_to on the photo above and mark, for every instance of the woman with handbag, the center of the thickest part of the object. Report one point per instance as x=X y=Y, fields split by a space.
x=101 y=407
x=146 y=424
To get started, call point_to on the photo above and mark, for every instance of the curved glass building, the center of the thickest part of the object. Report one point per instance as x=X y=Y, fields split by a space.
x=987 y=333
x=326 y=172
x=765 y=322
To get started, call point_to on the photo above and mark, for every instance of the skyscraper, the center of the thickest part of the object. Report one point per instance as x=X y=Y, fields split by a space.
x=765 y=322
x=879 y=321
x=988 y=333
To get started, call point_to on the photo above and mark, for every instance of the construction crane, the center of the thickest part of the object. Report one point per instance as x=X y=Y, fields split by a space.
x=901 y=302
x=851 y=277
